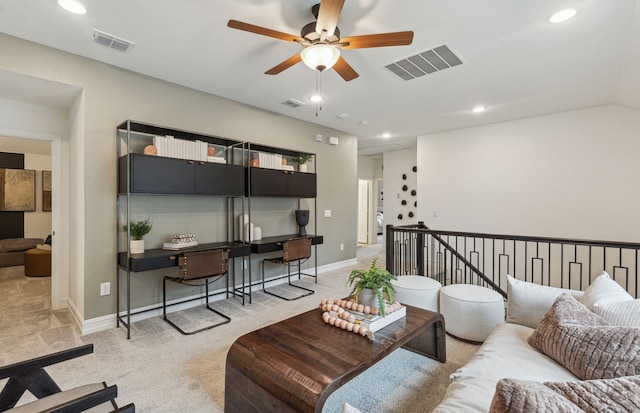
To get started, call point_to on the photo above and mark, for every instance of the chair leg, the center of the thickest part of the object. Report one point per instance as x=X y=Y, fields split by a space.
x=306 y=293
x=225 y=320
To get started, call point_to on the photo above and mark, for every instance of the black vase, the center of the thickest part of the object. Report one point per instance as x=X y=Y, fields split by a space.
x=302 y=219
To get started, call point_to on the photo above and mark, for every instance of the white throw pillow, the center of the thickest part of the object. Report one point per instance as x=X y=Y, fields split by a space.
x=624 y=313
x=527 y=302
x=604 y=290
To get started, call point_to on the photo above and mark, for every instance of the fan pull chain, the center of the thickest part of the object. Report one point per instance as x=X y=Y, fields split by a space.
x=319 y=90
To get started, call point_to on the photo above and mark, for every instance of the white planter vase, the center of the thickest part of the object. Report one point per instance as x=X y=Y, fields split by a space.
x=136 y=246
x=302 y=167
x=368 y=297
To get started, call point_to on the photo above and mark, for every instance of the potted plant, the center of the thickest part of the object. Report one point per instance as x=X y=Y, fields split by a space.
x=374 y=281
x=137 y=231
x=302 y=160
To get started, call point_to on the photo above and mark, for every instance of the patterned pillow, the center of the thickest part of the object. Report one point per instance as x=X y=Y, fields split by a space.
x=585 y=344
x=625 y=313
x=611 y=395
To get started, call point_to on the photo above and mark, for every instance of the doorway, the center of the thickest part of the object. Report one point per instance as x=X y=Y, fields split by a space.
x=364 y=211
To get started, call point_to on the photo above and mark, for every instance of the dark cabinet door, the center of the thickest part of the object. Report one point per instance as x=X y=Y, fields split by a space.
x=214 y=179
x=159 y=175
x=303 y=185
x=273 y=182
x=268 y=182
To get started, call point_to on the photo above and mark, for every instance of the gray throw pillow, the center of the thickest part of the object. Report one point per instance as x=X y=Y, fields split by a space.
x=585 y=344
x=610 y=395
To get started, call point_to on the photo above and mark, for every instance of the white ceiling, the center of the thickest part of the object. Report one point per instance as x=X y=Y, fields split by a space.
x=515 y=62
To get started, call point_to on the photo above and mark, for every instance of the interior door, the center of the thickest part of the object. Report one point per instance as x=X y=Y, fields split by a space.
x=364 y=188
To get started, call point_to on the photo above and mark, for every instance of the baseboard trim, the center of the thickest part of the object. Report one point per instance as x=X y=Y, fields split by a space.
x=109 y=321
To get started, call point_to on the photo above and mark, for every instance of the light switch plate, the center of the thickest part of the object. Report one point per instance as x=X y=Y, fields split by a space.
x=327 y=213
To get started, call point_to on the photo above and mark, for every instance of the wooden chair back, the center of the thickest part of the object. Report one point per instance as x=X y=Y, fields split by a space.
x=203 y=264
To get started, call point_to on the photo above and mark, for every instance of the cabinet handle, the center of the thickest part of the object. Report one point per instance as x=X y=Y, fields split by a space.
x=201 y=163
x=190 y=162
x=173 y=257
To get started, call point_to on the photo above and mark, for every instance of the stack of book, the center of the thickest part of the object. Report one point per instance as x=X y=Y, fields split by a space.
x=376 y=322
x=171 y=147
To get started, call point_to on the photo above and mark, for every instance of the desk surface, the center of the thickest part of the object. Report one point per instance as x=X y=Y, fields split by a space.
x=154 y=259
x=270 y=244
x=295 y=364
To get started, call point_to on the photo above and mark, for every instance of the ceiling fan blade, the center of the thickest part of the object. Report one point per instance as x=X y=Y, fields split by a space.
x=378 y=40
x=284 y=65
x=345 y=70
x=235 y=24
x=328 y=16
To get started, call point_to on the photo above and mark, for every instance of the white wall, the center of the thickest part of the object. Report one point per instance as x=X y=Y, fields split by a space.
x=571 y=174
x=37 y=224
x=396 y=164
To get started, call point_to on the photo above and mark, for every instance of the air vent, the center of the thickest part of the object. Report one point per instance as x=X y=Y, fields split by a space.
x=111 y=41
x=293 y=103
x=424 y=63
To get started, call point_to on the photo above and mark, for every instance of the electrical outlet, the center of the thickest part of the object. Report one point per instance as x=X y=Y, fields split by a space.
x=341 y=247
x=105 y=288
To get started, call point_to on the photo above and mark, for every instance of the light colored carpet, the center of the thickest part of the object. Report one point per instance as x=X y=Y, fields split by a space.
x=162 y=371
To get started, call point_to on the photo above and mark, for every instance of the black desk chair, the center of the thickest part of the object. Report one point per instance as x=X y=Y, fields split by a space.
x=294 y=251
x=30 y=376
x=209 y=266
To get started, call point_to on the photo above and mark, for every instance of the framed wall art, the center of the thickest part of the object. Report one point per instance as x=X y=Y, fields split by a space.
x=17 y=189
x=46 y=190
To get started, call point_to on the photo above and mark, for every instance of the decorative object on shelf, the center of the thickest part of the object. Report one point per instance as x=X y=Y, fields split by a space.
x=137 y=231
x=248 y=231
x=302 y=160
x=254 y=163
x=352 y=316
x=150 y=150
x=211 y=151
x=46 y=190
x=302 y=219
x=181 y=241
x=257 y=233
x=376 y=279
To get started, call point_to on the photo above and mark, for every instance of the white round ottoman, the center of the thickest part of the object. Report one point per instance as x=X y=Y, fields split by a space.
x=470 y=311
x=417 y=291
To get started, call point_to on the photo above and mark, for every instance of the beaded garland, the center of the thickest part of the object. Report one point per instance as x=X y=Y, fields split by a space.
x=348 y=321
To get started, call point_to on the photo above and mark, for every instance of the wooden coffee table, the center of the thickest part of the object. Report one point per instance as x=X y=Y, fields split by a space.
x=294 y=365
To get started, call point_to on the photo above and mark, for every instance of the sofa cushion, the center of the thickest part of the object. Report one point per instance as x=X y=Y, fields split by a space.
x=505 y=353
x=528 y=302
x=625 y=313
x=610 y=395
x=604 y=290
x=18 y=244
x=585 y=343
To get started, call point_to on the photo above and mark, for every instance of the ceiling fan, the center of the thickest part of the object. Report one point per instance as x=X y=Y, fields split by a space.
x=321 y=41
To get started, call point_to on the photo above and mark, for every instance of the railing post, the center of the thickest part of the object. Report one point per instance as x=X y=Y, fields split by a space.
x=390 y=247
x=420 y=249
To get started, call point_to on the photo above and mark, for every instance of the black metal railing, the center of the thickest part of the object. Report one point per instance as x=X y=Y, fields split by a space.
x=486 y=259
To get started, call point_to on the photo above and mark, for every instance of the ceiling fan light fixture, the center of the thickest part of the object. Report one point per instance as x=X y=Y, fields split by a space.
x=320 y=56
x=316 y=98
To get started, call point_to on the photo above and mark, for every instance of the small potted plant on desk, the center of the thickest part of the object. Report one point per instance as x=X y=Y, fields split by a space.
x=138 y=230
x=371 y=286
x=302 y=160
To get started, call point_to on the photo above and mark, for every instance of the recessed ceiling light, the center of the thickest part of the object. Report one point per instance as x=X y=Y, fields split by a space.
x=386 y=135
x=316 y=98
x=478 y=109
x=562 y=16
x=72 y=6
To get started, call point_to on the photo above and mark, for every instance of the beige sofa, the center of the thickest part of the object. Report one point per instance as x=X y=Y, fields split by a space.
x=12 y=250
x=506 y=353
